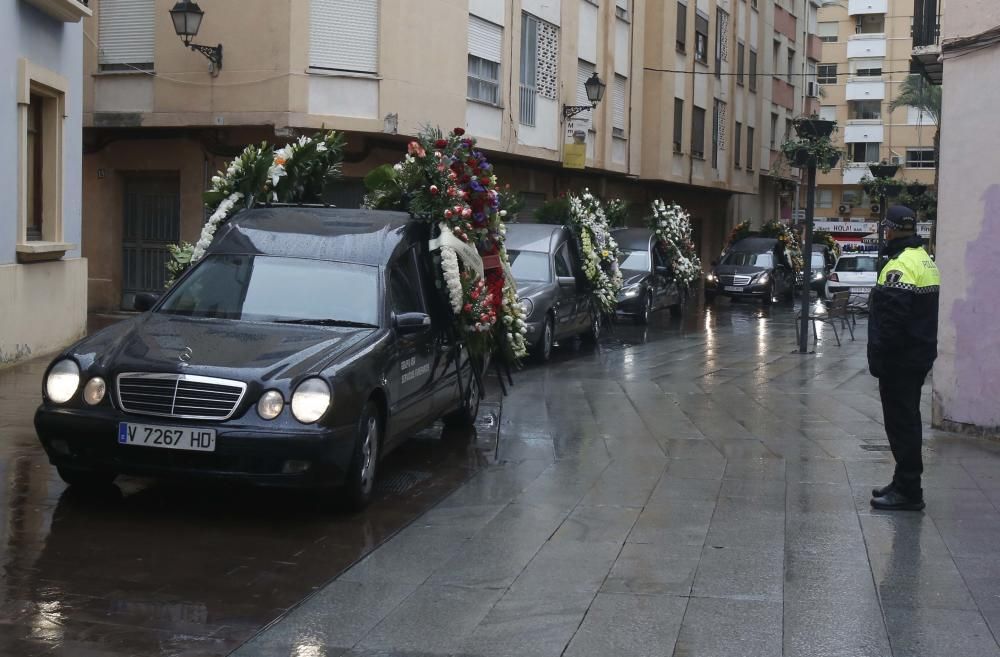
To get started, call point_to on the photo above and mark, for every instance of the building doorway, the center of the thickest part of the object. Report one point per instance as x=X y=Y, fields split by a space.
x=152 y=221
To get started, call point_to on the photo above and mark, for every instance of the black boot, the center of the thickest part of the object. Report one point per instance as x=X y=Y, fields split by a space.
x=895 y=500
x=882 y=492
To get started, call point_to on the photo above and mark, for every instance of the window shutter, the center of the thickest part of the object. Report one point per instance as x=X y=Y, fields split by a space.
x=126 y=31
x=618 y=109
x=343 y=35
x=485 y=39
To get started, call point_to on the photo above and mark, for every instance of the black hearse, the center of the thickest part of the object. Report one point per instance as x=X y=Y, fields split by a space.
x=551 y=285
x=302 y=348
x=646 y=284
x=753 y=267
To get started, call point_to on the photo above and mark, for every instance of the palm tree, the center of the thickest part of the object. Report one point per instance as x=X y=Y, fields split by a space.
x=916 y=91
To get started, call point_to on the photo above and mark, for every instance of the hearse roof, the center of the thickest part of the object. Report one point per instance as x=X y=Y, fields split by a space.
x=367 y=237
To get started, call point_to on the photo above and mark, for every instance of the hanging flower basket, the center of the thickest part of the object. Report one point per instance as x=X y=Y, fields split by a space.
x=892 y=188
x=916 y=189
x=801 y=157
x=814 y=128
x=883 y=170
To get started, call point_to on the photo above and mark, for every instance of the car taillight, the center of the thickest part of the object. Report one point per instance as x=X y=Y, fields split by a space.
x=833 y=277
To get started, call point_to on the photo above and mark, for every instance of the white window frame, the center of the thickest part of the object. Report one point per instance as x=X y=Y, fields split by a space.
x=619 y=106
x=922 y=163
x=52 y=89
x=916 y=116
x=528 y=107
x=484 y=62
x=824 y=198
x=825 y=33
x=828 y=112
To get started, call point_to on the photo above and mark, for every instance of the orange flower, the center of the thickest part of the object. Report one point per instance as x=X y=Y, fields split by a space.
x=280 y=161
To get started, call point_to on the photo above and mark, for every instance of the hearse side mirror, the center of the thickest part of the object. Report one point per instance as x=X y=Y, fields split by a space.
x=410 y=323
x=144 y=301
x=566 y=281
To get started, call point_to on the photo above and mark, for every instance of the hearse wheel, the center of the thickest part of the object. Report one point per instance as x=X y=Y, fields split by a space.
x=471 y=396
x=543 y=352
x=642 y=317
x=360 y=483
x=593 y=333
x=88 y=479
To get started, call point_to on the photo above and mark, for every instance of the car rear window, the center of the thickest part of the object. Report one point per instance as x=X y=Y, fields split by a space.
x=748 y=259
x=858 y=264
x=268 y=288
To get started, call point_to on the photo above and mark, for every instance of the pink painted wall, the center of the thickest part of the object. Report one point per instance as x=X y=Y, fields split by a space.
x=967 y=372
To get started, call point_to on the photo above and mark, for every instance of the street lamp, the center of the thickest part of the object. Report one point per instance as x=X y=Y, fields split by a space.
x=594 y=87
x=187 y=16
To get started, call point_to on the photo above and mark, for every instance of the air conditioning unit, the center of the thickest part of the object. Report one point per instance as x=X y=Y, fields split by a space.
x=897 y=160
x=844 y=208
x=876 y=209
x=812 y=89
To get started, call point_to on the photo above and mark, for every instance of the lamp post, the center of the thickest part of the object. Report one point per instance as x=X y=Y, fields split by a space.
x=882 y=172
x=187 y=16
x=811 y=130
x=594 y=87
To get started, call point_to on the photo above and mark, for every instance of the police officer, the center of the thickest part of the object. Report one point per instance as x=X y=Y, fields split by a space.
x=902 y=346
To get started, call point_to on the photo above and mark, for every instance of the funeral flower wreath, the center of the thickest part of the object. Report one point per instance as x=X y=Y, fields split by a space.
x=672 y=227
x=598 y=249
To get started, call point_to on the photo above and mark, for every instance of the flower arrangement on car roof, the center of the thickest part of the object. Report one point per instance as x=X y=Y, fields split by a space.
x=296 y=173
x=598 y=249
x=672 y=227
x=825 y=238
x=788 y=239
x=448 y=182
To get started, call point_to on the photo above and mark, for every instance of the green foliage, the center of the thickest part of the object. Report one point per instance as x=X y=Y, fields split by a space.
x=821 y=149
x=915 y=91
x=555 y=211
x=617 y=212
x=510 y=201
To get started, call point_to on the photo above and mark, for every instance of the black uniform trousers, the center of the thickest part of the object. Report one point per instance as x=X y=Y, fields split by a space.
x=900 y=393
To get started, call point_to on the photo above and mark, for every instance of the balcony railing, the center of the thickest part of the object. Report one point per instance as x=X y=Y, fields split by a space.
x=529 y=98
x=926 y=23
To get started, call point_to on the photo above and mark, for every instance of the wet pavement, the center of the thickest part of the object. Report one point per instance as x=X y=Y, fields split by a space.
x=693 y=488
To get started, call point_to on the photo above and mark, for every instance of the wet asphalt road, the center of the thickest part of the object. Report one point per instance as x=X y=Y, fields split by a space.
x=691 y=488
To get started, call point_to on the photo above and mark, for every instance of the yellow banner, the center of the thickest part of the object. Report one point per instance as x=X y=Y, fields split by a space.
x=575 y=147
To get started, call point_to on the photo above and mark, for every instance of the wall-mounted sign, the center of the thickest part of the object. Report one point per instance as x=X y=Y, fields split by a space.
x=575 y=147
x=858 y=227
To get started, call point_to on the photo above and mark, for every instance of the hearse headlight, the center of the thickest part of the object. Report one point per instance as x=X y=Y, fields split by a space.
x=710 y=277
x=631 y=291
x=528 y=306
x=94 y=391
x=270 y=405
x=310 y=400
x=62 y=381
x=763 y=278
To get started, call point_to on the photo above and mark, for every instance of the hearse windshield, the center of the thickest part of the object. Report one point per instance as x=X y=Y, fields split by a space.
x=275 y=289
x=530 y=266
x=748 y=259
x=634 y=260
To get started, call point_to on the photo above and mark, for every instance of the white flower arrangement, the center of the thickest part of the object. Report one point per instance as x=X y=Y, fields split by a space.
x=672 y=226
x=599 y=250
x=452 y=278
x=220 y=215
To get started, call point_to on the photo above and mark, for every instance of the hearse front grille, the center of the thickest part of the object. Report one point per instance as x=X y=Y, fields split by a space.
x=737 y=279
x=179 y=395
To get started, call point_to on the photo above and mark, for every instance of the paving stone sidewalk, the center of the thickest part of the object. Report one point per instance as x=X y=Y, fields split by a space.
x=688 y=490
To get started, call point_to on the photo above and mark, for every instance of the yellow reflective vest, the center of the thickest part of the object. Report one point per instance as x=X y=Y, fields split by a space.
x=902 y=324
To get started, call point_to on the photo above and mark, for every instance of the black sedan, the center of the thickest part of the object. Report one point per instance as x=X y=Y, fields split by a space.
x=302 y=348
x=646 y=285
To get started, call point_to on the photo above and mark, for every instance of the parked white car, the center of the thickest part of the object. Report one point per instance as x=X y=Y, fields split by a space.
x=856 y=272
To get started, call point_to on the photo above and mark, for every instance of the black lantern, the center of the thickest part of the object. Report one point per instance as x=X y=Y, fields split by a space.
x=187 y=16
x=594 y=86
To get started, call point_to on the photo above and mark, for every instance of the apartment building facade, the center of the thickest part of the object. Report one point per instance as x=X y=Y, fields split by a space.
x=42 y=274
x=684 y=116
x=867 y=46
